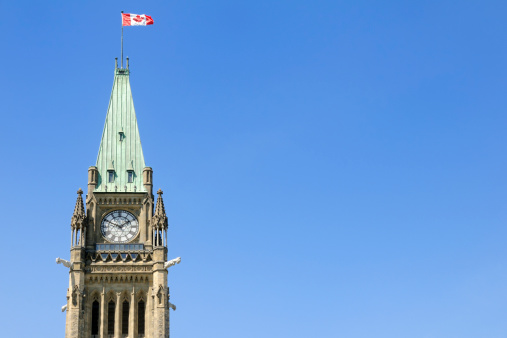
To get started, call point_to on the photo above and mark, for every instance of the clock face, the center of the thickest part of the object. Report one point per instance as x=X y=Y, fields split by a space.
x=119 y=226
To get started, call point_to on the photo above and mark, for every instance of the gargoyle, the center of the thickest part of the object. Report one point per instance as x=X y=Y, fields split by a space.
x=172 y=306
x=64 y=308
x=172 y=262
x=65 y=263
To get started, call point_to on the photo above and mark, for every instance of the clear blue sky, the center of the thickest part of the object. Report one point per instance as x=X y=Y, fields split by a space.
x=330 y=168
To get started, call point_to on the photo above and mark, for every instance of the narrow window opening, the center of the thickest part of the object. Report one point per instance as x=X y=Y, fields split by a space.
x=125 y=318
x=95 y=319
x=110 y=318
x=130 y=176
x=110 y=176
x=140 y=320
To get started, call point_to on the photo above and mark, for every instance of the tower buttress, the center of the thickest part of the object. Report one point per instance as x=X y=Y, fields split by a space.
x=76 y=290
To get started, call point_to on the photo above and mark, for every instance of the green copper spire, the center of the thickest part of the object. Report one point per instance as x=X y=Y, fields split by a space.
x=120 y=161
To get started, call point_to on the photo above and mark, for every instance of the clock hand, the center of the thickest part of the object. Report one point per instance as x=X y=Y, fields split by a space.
x=114 y=225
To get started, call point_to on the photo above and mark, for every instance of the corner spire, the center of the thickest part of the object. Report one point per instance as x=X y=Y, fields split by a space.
x=120 y=161
x=78 y=218
x=159 y=220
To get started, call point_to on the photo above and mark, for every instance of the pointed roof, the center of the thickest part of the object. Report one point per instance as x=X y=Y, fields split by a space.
x=120 y=149
x=78 y=217
x=159 y=219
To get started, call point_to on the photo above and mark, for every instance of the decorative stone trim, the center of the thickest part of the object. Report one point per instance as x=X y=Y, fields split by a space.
x=94 y=269
x=119 y=201
x=102 y=278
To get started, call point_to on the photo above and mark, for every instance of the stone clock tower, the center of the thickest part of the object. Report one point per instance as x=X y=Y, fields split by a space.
x=118 y=257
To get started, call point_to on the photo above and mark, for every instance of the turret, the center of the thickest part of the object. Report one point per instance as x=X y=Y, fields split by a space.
x=78 y=222
x=159 y=222
x=148 y=180
x=92 y=178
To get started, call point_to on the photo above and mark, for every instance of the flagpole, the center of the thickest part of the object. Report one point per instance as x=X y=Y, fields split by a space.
x=122 y=39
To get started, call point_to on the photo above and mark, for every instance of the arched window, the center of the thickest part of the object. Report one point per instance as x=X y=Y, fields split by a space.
x=95 y=319
x=140 y=317
x=110 y=318
x=125 y=318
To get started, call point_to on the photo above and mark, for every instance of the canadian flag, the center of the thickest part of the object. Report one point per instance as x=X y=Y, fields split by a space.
x=136 y=19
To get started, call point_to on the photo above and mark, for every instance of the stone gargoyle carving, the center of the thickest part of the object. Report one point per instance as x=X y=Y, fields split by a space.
x=172 y=262
x=65 y=263
x=172 y=306
x=64 y=308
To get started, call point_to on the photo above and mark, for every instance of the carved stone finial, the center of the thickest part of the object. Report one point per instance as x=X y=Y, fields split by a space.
x=79 y=217
x=159 y=219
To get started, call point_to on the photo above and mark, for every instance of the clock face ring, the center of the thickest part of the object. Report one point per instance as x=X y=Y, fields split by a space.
x=119 y=226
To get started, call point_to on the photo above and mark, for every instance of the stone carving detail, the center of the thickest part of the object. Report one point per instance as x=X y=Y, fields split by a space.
x=159 y=219
x=100 y=278
x=172 y=262
x=74 y=295
x=171 y=305
x=160 y=294
x=64 y=308
x=78 y=220
x=118 y=269
x=119 y=201
x=64 y=262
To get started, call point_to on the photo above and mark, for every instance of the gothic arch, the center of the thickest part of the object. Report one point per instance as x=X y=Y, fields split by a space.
x=111 y=306
x=141 y=314
x=95 y=295
x=111 y=296
x=125 y=296
x=94 y=312
x=141 y=295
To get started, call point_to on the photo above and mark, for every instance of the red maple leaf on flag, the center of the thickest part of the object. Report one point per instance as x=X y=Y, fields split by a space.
x=129 y=19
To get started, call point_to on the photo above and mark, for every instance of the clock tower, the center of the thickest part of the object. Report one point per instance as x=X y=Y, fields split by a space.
x=118 y=256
